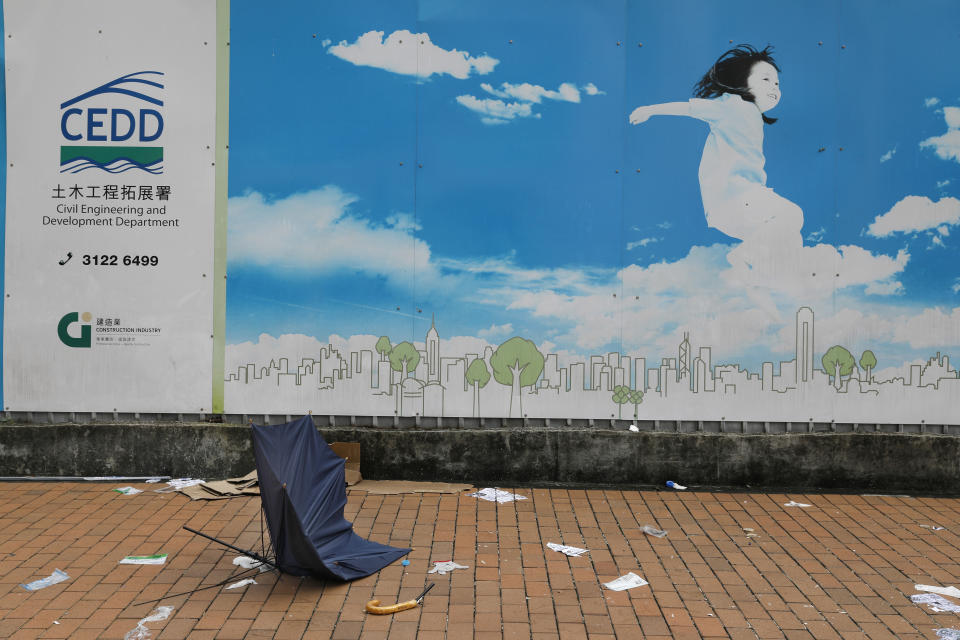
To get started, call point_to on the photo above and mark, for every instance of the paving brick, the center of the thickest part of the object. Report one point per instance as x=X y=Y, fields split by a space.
x=841 y=569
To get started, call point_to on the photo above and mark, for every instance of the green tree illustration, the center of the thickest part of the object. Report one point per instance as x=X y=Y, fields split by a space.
x=383 y=347
x=404 y=357
x=837 y=362
x=635 y=397
x=478 y=376
x=621 y=395
x=868 y=361
x=517 y=363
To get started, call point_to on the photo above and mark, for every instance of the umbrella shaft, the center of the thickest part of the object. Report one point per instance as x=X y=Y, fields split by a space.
x=228 y=545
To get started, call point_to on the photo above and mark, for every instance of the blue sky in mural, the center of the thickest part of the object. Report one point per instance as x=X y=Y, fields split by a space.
x=390 y=161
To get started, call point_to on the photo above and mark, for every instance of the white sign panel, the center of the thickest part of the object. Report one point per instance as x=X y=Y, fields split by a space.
x=111 y=110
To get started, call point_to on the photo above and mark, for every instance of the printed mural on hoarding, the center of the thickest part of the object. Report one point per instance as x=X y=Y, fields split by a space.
x=609 y=210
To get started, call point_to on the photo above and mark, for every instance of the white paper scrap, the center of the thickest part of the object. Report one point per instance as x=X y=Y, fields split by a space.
x=249 y=563
x=242 y=583
x=793 y=503
x=948 y=634
x=953 y=592
x=53 y=578
x=564 y=549
x=442 y=567
x=650 y=531
x=496 y=495
x=128 y=491
x=140 y=632
x=932 y=527
x=158 y=558
x=623 y=583
x=179 y=483
x=937 y=603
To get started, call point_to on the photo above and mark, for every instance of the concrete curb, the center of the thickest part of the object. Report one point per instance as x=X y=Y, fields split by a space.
x=571 y=456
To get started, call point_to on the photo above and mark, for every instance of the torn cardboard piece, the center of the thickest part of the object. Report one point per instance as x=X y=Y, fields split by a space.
x=220 y=489
x=390 y=487
x=349 y=451
x=252 y=476
x=197 y=492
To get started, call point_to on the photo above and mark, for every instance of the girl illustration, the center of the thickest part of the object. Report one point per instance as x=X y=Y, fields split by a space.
x=733 y=97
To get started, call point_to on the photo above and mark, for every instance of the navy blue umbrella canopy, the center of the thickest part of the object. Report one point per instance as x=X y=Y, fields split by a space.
x=303 y=492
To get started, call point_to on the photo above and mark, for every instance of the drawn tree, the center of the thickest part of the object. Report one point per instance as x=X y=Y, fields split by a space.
x=517 y=363
x=621 y=396
x=404 y=357
x=478 y=376
x=868 y=361
x=635 y=397
x=383 y=347
x=837 y=362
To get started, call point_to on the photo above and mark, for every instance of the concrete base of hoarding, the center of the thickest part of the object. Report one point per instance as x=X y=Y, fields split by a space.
x=888 y=458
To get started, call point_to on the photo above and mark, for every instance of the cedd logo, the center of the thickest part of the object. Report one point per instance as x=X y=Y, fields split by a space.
x=96 y=117
x=63 y=330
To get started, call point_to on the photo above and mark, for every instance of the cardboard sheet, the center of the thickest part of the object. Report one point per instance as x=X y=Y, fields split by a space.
x=349 y=451
x=388 y=487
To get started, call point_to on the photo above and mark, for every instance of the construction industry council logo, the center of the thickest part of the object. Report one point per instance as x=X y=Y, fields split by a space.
x=120 y=111
x=63 y=329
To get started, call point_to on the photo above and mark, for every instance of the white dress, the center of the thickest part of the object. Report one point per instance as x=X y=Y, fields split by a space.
x=733 y=183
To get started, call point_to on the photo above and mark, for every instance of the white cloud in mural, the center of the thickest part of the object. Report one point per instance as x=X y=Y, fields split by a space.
x=817 y=235
x=495 y=331
x=888 y=288
x=326 y=42
x=502 y=271
x=494 y=111
x=888 y=155
x=411 y=54
x=915 y=213
x=403 y=222
x=524 y=95
x=315 y=232
x=527 y=92
x=947 y=146
x=591 y=90
x=701 y=290
x=942 y=183
x=642 y=242
x=931 y=102
x=930 y=328
x=956 y=286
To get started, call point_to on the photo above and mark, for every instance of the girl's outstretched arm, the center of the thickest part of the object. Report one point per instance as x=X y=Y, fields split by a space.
x=642 y=114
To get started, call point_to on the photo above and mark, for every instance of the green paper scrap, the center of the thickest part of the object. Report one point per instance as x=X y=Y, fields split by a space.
x=159 y=558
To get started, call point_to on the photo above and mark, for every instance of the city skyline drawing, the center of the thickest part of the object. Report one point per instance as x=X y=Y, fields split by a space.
x=419 y=379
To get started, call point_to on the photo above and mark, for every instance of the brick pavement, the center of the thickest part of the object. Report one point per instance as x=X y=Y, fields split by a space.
x=843 y=568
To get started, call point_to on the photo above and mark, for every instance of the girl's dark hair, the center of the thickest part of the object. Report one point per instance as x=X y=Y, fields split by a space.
x=730 y=72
